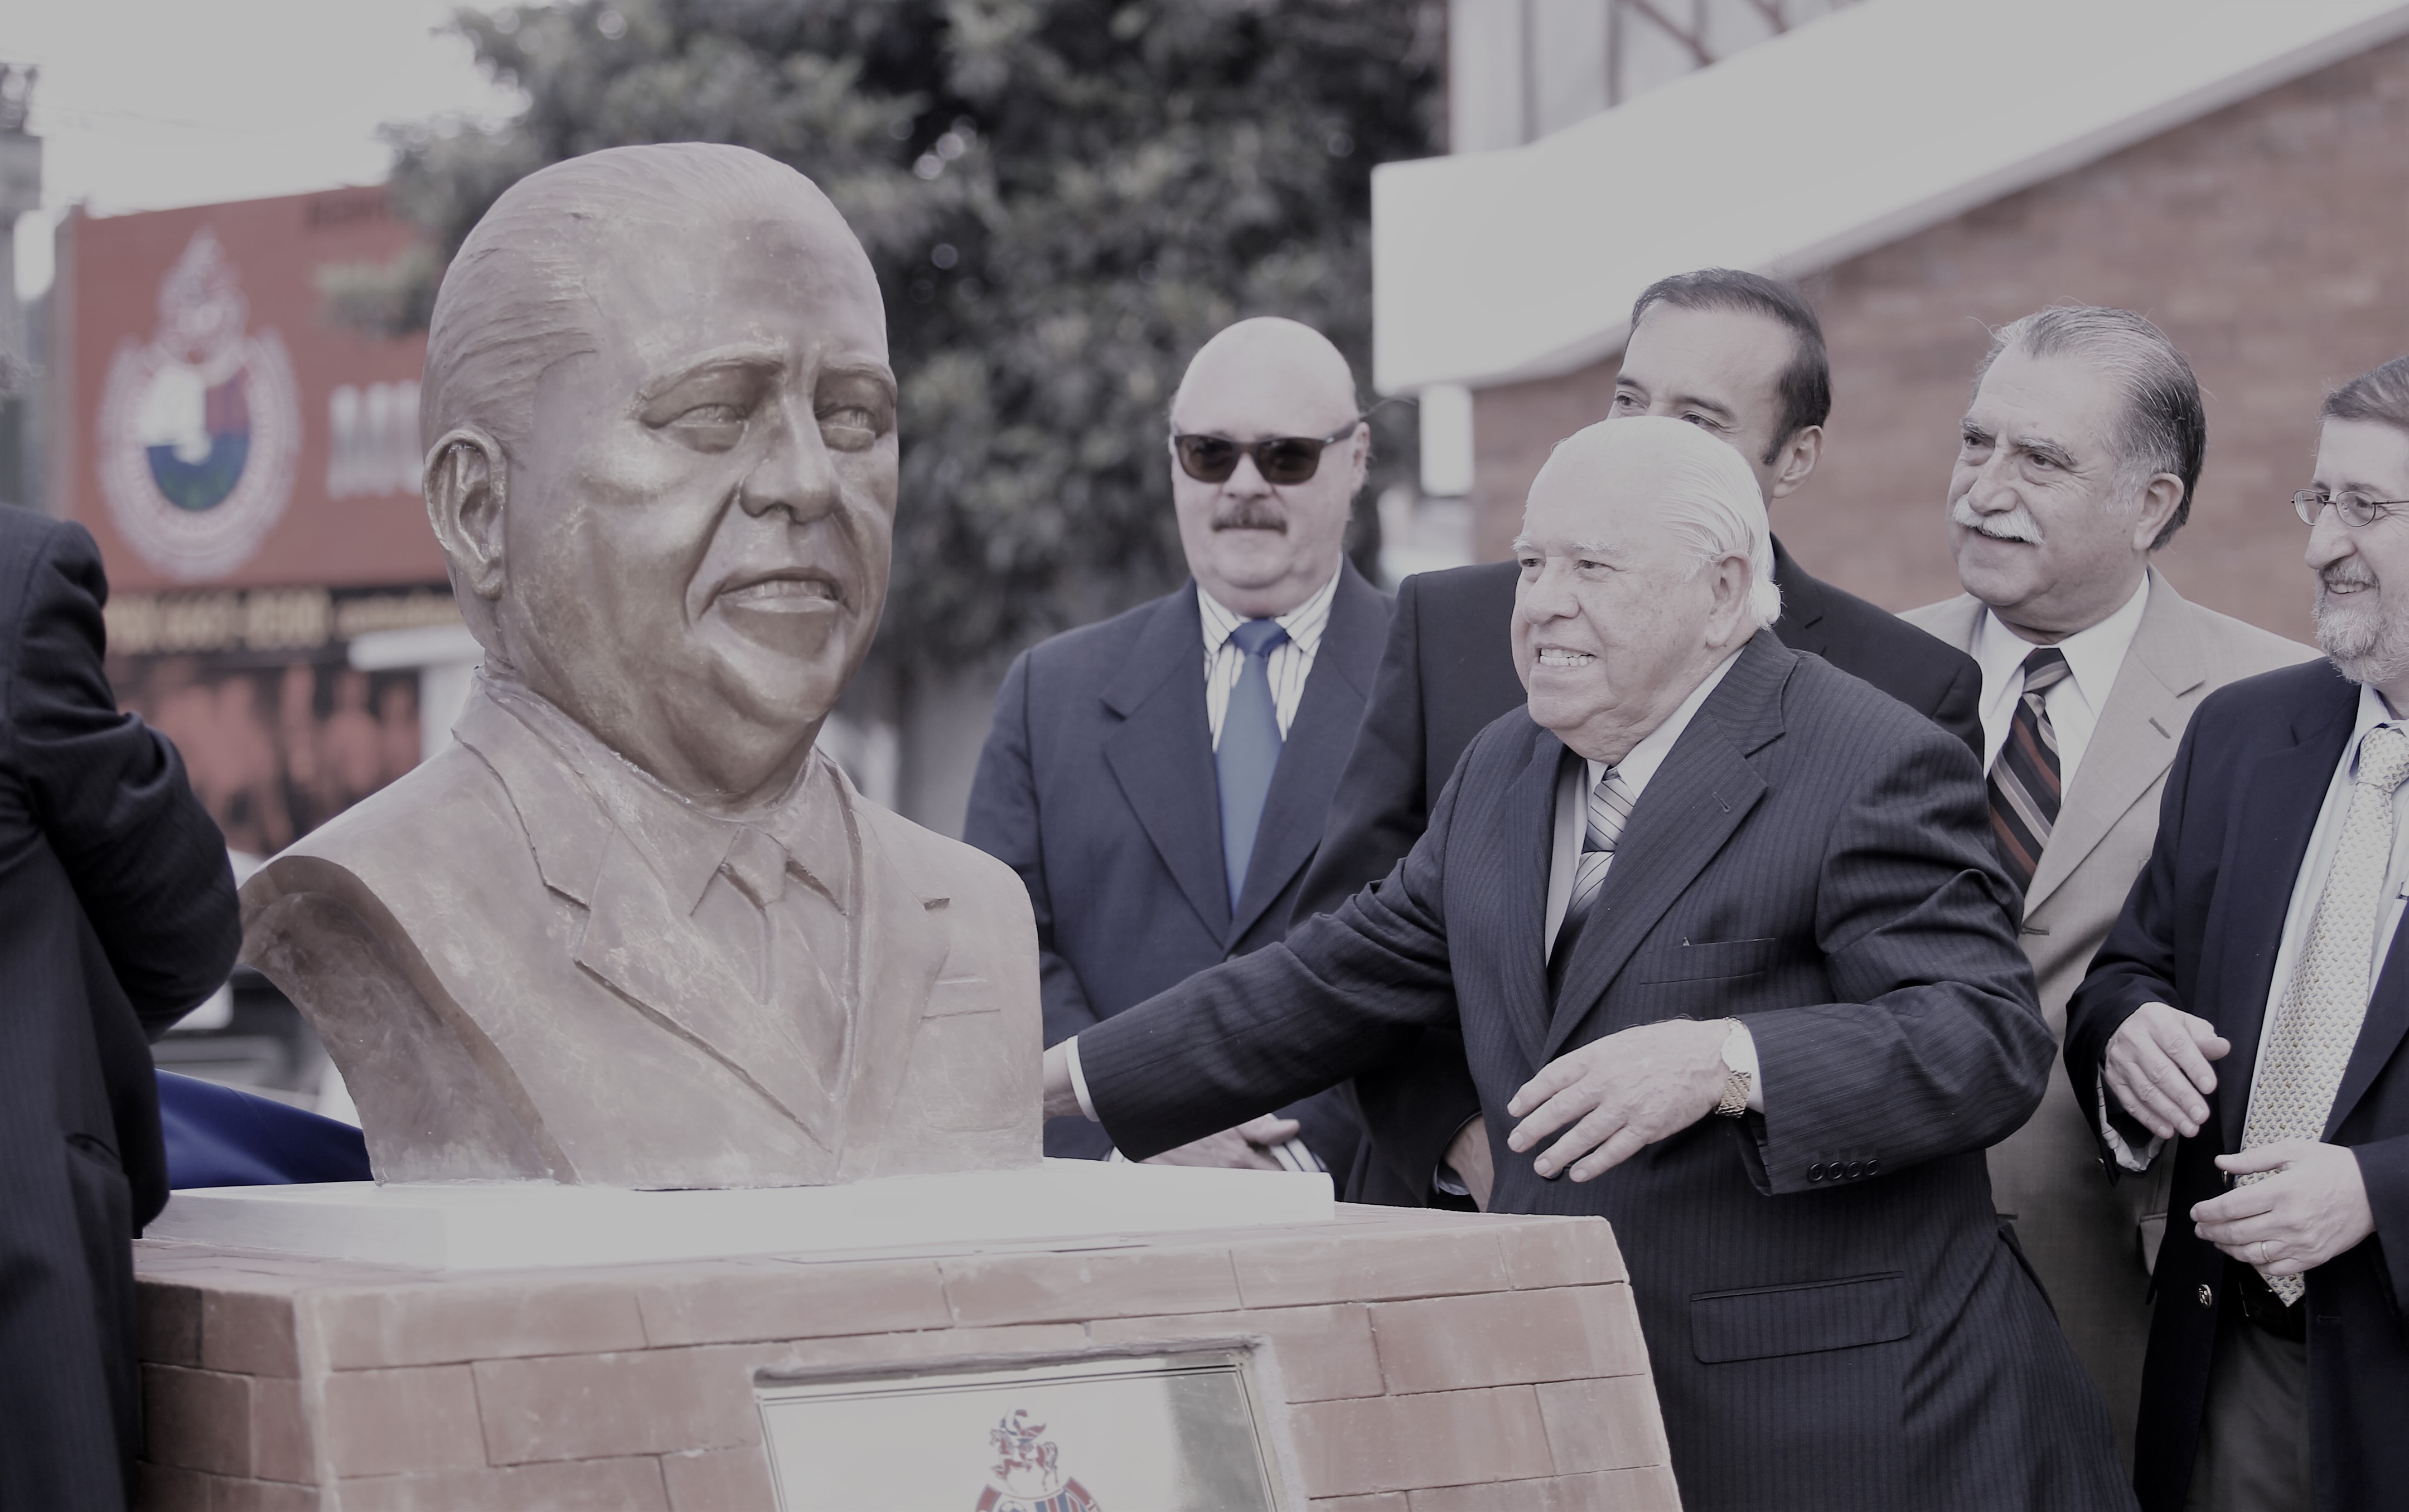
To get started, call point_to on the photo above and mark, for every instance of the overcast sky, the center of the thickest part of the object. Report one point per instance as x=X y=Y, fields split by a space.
x=145 y=105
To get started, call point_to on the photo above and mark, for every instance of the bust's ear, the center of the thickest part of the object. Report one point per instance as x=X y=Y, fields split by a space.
x=468 y=482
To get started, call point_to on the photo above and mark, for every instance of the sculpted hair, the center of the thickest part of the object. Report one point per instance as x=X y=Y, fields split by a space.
x=2164 y=427
x=2380 y=394
x=1806 y=385
x=1701 y=488
x=517 y=299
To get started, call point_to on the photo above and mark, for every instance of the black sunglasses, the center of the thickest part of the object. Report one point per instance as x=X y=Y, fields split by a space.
x=1281 y=459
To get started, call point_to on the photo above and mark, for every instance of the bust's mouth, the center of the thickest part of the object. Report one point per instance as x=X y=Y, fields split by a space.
x=803 y=590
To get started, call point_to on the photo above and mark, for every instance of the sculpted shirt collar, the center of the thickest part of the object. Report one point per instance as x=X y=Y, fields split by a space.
x=684 y=845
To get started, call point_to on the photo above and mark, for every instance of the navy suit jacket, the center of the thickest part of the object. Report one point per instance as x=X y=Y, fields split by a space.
x=1449 y=670
x=2200 y=931
x=1097 y=786
x=117 y=915
x=1835 y=1317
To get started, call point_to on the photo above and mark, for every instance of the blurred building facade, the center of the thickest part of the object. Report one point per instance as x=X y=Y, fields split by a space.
x=1928 y=170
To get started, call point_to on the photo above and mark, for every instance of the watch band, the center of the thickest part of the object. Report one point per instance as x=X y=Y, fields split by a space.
x=1735 y=1100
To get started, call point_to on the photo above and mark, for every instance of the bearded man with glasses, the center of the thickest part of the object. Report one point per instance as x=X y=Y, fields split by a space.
x=2244 y=1021
x=1160 y=780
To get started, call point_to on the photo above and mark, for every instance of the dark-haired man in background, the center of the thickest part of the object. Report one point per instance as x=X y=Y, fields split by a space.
x=2076 y=461
x=1741 y=358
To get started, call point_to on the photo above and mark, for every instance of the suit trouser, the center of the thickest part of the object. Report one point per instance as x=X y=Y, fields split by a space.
x=2254 y=1439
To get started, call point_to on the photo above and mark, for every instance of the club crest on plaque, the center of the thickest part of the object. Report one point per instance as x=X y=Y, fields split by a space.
x=1028 y=1474
x=199 y=428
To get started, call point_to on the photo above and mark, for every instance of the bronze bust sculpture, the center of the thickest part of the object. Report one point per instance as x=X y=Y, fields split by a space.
x=631 y=928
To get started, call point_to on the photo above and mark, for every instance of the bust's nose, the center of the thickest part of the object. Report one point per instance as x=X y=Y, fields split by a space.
x=795 y=473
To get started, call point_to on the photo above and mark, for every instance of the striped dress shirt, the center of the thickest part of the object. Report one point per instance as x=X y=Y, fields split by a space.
x=1288 y=664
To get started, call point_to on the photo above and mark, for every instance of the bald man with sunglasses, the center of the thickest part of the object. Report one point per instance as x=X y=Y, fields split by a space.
x=1160 y=780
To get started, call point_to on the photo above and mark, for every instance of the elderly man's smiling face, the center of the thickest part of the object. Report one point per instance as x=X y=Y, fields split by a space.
x=1614 y=621
x=698 y=533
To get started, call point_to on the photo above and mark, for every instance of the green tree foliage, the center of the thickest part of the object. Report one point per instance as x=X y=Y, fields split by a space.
x=1063 y=199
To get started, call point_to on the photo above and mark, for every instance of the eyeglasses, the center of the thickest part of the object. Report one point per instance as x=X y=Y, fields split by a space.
x=2354 y=509
x=1281 y=459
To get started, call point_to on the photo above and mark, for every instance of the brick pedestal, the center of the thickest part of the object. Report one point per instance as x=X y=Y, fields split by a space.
x=1426 y=1363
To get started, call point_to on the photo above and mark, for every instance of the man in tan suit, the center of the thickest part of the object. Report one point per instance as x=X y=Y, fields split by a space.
x=2077 y=460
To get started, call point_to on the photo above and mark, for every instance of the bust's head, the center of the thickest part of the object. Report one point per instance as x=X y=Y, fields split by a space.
x=662 y=457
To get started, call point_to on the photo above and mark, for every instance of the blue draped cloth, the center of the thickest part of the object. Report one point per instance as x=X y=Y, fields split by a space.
x=220 y=1137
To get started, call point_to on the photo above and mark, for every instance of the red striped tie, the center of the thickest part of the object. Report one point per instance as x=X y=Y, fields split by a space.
x=2024 y=779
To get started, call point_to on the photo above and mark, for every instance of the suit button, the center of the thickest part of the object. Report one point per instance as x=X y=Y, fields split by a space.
x=2207 y=1298
x=1856 y=1169
x=1873 y=1167
x=1815 y=1173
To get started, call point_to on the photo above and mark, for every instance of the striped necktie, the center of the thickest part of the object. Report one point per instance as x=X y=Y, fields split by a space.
x=1609 y=808
x=2292 y=1092
x=2024 y=779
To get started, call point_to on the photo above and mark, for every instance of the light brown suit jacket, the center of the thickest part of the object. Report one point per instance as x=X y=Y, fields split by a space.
x=510 y=991
x=2086 y=1238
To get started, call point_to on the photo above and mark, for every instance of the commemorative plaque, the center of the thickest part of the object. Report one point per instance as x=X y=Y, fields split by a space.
x=1175 y=1432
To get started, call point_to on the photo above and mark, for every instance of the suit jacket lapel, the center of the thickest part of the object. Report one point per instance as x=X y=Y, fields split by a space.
x=903 y=938
x=1161 y=754
x=2277 y=812
x=2135 y=740
x=1802 y=604
x=1528 y=832
x=1316 y=749
x=2379 y=1035
x=1699 y=796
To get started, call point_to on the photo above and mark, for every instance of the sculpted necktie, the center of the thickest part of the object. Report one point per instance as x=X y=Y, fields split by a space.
x=795 y=974
x=2024 y=780
x=1608 y=809
x=1249 y=749
x=2318 y=1026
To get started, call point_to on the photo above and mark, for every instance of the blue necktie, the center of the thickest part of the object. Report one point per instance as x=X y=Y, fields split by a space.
x=1249 y=750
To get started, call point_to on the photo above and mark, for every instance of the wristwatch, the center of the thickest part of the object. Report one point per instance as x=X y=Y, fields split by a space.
x=1736 y=1080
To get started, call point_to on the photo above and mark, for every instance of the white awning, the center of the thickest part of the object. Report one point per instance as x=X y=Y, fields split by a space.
x=1844 y=135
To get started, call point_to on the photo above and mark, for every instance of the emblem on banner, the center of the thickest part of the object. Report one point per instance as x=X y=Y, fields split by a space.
x=1028 y=1477
x=200 y=427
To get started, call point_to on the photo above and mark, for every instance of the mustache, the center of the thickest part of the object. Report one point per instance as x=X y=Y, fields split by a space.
x=1250 y=514
x=2016 y=525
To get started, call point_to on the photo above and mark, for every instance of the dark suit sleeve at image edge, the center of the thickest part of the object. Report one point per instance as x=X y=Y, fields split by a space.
x=1960 y=709
x=1380 y=805
x=146 y=861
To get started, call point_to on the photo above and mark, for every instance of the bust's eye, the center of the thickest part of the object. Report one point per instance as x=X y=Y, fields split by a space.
x=849 y=427
x=711 y=427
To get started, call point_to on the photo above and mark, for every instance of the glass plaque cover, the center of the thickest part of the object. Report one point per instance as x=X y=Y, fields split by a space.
x=1152 y=1433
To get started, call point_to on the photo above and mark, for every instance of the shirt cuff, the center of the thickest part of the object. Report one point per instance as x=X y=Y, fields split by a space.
x=1739 y=1054
x=2125 y=1156
x=1078 y=1081
x=1445 y=1179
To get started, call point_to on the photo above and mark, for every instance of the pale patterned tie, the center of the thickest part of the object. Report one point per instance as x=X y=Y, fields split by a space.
x=1609 y=807
x=2326 y=1001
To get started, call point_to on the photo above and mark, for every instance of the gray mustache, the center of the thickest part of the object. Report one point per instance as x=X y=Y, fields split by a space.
x=1252 y=514
x=2016 y=525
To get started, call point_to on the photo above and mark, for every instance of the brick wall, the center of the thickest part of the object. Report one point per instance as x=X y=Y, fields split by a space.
x=2269 y=239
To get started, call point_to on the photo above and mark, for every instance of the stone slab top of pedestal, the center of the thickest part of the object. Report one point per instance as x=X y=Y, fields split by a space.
x=462 y=1226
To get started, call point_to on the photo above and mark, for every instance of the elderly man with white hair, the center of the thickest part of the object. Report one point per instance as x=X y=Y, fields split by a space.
x=1730 y=951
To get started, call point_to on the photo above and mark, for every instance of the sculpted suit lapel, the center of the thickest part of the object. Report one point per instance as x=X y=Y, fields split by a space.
x=1161 y=753
x=2134 y=742
x=2276 y=814
x=903 y=938
x=639 y=941
x=1701 y=794
x=1316 y=749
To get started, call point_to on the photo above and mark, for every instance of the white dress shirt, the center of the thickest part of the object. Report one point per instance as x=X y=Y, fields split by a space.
x=1288 y=665
x=2093 y=659
x=2306 y=889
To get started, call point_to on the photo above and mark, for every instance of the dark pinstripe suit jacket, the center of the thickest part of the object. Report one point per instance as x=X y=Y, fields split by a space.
x=1834 y=1316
